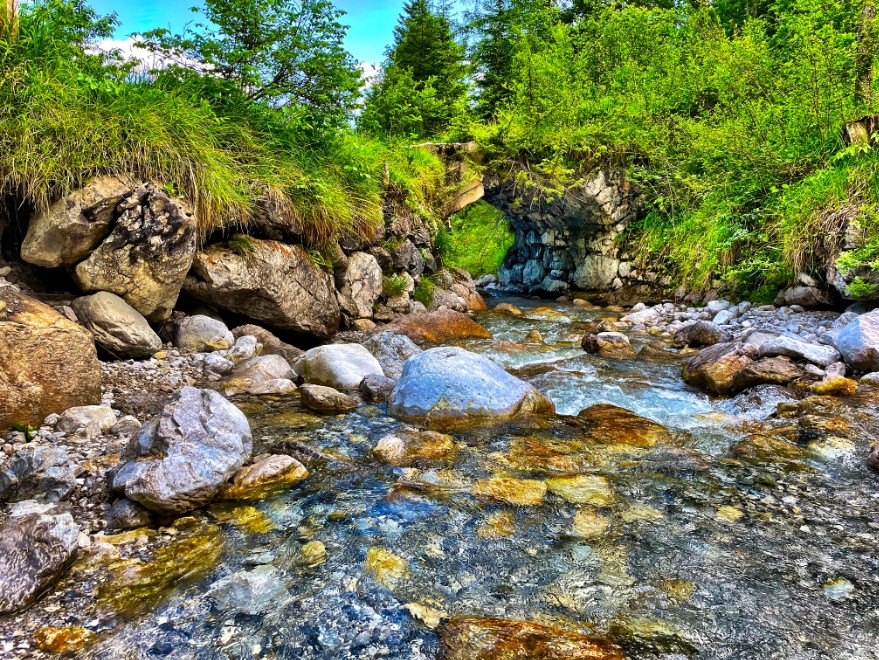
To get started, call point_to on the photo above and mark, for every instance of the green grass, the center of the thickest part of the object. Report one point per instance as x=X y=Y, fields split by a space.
x=424 y=291
x=394 y=285
x=477 y=241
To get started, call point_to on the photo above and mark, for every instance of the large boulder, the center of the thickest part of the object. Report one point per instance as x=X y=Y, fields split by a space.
x=798 y=349
x=118 y=328
x=327 y=400
x=342 y=366
x=715 y=368
x=269 y=282
x=270 y=343
x=202 y=333
x=35 y=549
x=72 y=227
x=804 y=296
x=147 y=255
x=47 y=362
x=182 y=458
x=699 y=333
x=858 y=342
x=391 y=350
x=614 y=345
x=439 y=327
x=360 y=285
x=448 y=387
x=37 y=472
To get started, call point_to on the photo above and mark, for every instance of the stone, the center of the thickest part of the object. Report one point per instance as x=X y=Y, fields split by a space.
x=614 y=345
x=342 y=366
x=250 y=592
x=267 y=477
x=610 y=424
x=35 y=550
x=269 y=342
x=72 y=227
x=118 y=328
x=217 y=364
x=37 y=472
x=804 y=296
x=582 y=489
x=449 y=387
x=65 y=641
x=326 y=400
x=125 y=514
x=182 y=457
x=406 y=257
x=438 y=327
x=715 y=368
x=596 y=272
x=723 y=317
x=699 y=333
x=47 y=362
x=858 y=342
x=490 y=639
x=376 y=388
x=647 y=316
x=409 y=448
x=127 y=426
x=767 y=371
x=836 y=386
x=360 y=285
x=589 y=525
x=200 y=333
x=391 y=350
x=147 y=254
x=271 y=283
x=271 y=386
x=264 y=368
x=871 y=379
x=99 y=418
x=797 y=349
x=244 y=348
x=657 y=354
x=507 y=308
x=518 y=492
x=715 y=306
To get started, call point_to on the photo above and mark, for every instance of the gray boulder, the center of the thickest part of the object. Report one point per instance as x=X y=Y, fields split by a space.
x=201 y=334
x=95 y=419
x=699 y=333
x=341 y=366
x=147 y=255
x=326 y=399
x=37 y=472
x=858 y=342
x=797 y=349
x=804 y=296
x=360 y=285
x=35 y=550
x=391 y=350
x=118 y=328
x=125 y=514
x=271 y=283
x=375 y=388
x=264 y=368
x=270 y=343
x=181 y=458
x=448 y=386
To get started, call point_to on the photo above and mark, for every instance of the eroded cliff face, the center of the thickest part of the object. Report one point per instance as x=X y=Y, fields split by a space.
x=567 y=240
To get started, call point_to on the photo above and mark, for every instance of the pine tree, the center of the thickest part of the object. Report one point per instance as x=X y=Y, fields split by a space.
x=424 y=66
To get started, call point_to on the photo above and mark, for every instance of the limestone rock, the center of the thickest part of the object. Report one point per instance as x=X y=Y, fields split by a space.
x=181 y=458
x=438 y=327
x=375 y=388
x=47 y=363
x=271 y=283
x=264 y=368
x=266 y=478
x=202 y=333
x=125 y=514
x=596 y=273
x=72 y=227
x=118 y=328
x=613 y=345
x=449 y=387
x=342 y=366
x=270 y=343
x=407 y=448
x=614 y=425
x=858 y=342
x=699 y=333
x=797 y=349
x=35 y=550
x=147 y=255
x=37 y=472
x=250 y=592
x=360 y=285
x=326 y=400
x=391 y=350
x=97 y=419
x=715 y=368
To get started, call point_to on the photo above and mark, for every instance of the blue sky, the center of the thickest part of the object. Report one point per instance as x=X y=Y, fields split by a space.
x=372 y=21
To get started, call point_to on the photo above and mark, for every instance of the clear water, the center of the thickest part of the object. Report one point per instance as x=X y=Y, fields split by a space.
x=705 y=554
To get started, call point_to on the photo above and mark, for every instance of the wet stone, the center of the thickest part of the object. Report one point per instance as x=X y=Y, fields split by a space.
x=519 y=492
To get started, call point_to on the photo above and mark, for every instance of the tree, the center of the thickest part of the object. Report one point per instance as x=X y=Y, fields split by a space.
x=423 y=85
x=9 y=19
x=276 y=52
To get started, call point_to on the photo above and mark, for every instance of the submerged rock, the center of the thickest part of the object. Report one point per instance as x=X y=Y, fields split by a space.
x=341 y=366
x=47 y=362
x=64 y=640
x=326 y=400
x=582 y=489
x=519 y=492
x=118 y=328
x=266 y=478
x=614 y=425
x=492 y=639
x=407 y=448
x=449 y=387
x=181 y=459
x=250 y=592
x=35 y=550
x=439 y=327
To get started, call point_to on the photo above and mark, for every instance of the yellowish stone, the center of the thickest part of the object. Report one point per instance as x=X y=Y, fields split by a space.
x=63 y=640
x=641 y=512
x=582 y=489
x=386 y=567
x=499 y=524
x=313 y=553
x=427 y=615
x=521 y=492
x=588 y=524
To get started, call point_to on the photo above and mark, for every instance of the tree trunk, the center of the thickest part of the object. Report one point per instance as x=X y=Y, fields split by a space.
x=9 y=20
x=864 y=59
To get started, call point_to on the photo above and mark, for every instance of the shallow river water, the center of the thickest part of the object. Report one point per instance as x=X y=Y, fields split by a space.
x=713 y=541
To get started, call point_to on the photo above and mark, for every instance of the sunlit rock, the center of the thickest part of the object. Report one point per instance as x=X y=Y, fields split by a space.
x=519 y=492
x=582 y=489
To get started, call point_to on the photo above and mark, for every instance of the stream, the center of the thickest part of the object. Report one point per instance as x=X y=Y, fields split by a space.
x=735 y=533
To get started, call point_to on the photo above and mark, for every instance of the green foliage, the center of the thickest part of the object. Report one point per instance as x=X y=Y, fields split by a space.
x=67 y=116
x=240 y=244
x=424 y=291
x=477 y=241
x=858 y=289
x=393 y=285
x=285 y=54
x=422 y=88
